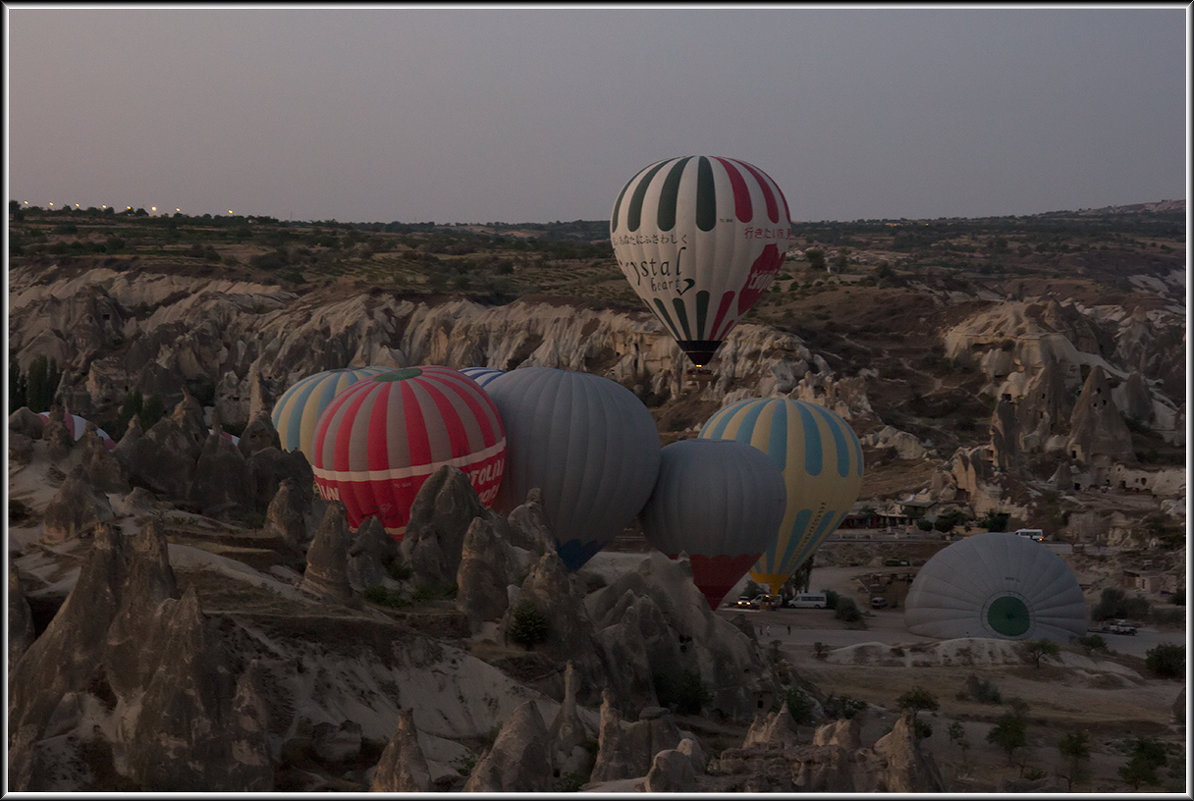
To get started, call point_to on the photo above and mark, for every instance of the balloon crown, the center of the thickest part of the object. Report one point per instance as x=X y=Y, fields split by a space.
x=400 y=374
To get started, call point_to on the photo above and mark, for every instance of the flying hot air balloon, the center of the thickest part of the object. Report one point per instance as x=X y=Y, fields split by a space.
x=821 y=461
x=700 y=238
x=587 y=443
x=298 y=409
x=721 y=502
x=378 y=441
x=482 y=375
x=78 y=425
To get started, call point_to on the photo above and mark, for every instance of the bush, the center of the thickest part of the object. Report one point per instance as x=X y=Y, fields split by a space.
x=1167 y=660
x=847 y=610
x=1092 y=642
x=831 y=598
x=528 y=626
x=687 y=694
x=800 y=706
x=383 y=596
x=1114 y=603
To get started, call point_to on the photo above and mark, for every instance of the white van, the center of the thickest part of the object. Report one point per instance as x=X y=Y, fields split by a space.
x=1031 y=533
x=808 y=600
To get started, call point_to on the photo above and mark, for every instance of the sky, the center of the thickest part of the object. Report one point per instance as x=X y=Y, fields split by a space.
x=536 y=114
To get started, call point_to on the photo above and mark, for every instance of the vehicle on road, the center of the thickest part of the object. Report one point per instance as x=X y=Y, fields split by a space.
x=809 y=600
x=1119 y=627
x=746 y=602
x=1034 y=534
x=878 y=602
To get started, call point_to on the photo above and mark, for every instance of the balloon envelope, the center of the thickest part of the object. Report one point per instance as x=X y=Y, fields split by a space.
x=996 y=585
x=378 y=441
x=821 y=461
x=719 y=501
x=587 y=443
x=700 y=238
x=482 y=375
x=77 y=426
x=296 y=412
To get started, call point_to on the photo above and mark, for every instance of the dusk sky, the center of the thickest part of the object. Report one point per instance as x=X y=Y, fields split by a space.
x=533 y=115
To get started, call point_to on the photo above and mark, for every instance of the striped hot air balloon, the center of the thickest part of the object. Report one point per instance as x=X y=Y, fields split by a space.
x=378 y=441
x=482 y=375
x=700 y=238
x=296 y=412
x=719 y=501
x=821 y=461
x=78 y=425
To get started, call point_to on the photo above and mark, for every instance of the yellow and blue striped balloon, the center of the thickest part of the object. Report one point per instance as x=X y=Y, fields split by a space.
x=821 y=461
x=298 y=409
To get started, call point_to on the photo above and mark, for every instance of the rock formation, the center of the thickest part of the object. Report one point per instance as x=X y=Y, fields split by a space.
x=1097 y=430
x=402 y=767
x=626 y=750
x=439 y=518
x=284 y=517
x=327 y=558
x=520 y=759
x=76 y=510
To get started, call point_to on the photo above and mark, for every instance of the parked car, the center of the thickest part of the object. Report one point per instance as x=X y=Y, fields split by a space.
x=1119 y=627
x=809 y=600
x=878 y=602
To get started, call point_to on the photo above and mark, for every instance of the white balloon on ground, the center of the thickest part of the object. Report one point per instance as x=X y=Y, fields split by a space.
x=587 y=443
x=996 y=585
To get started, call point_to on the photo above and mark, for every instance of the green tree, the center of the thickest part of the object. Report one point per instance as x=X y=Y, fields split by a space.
x=528 y=626
x=847 y=610
x=1092 y=642
x=1167 y=660
x=816 y=258
x=1145 y=757
x=42 y=383
x=1009 y=733
x=957 y=735
x=17 y=391
x=1036 y=650
x=1075 y=747
x=915 y=700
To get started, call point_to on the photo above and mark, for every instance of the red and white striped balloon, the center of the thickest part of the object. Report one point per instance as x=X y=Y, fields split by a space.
x=78 y=425
x=378 y=441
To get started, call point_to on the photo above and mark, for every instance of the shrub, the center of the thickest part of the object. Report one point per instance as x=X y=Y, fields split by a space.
x=847 y=610
x=528 y=626
x=800 y=706
x=1167 y=660
x=384 y=596
x=1092 y=642
x=1114 y=603
x=831 y=598
x=686 y=694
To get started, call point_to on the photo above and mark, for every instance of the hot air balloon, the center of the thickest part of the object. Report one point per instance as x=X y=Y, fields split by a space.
x=700 y=238
x=298 y=409
x=587 y=443
x=821 y=460
x=996 y=585
x=378 y=441
x=482 y=375
x=78 y=425
x=721 y=502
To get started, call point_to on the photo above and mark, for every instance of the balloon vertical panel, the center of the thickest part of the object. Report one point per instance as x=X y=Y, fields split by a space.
x=821 y=461
x=700 y=238
x=296 y=412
